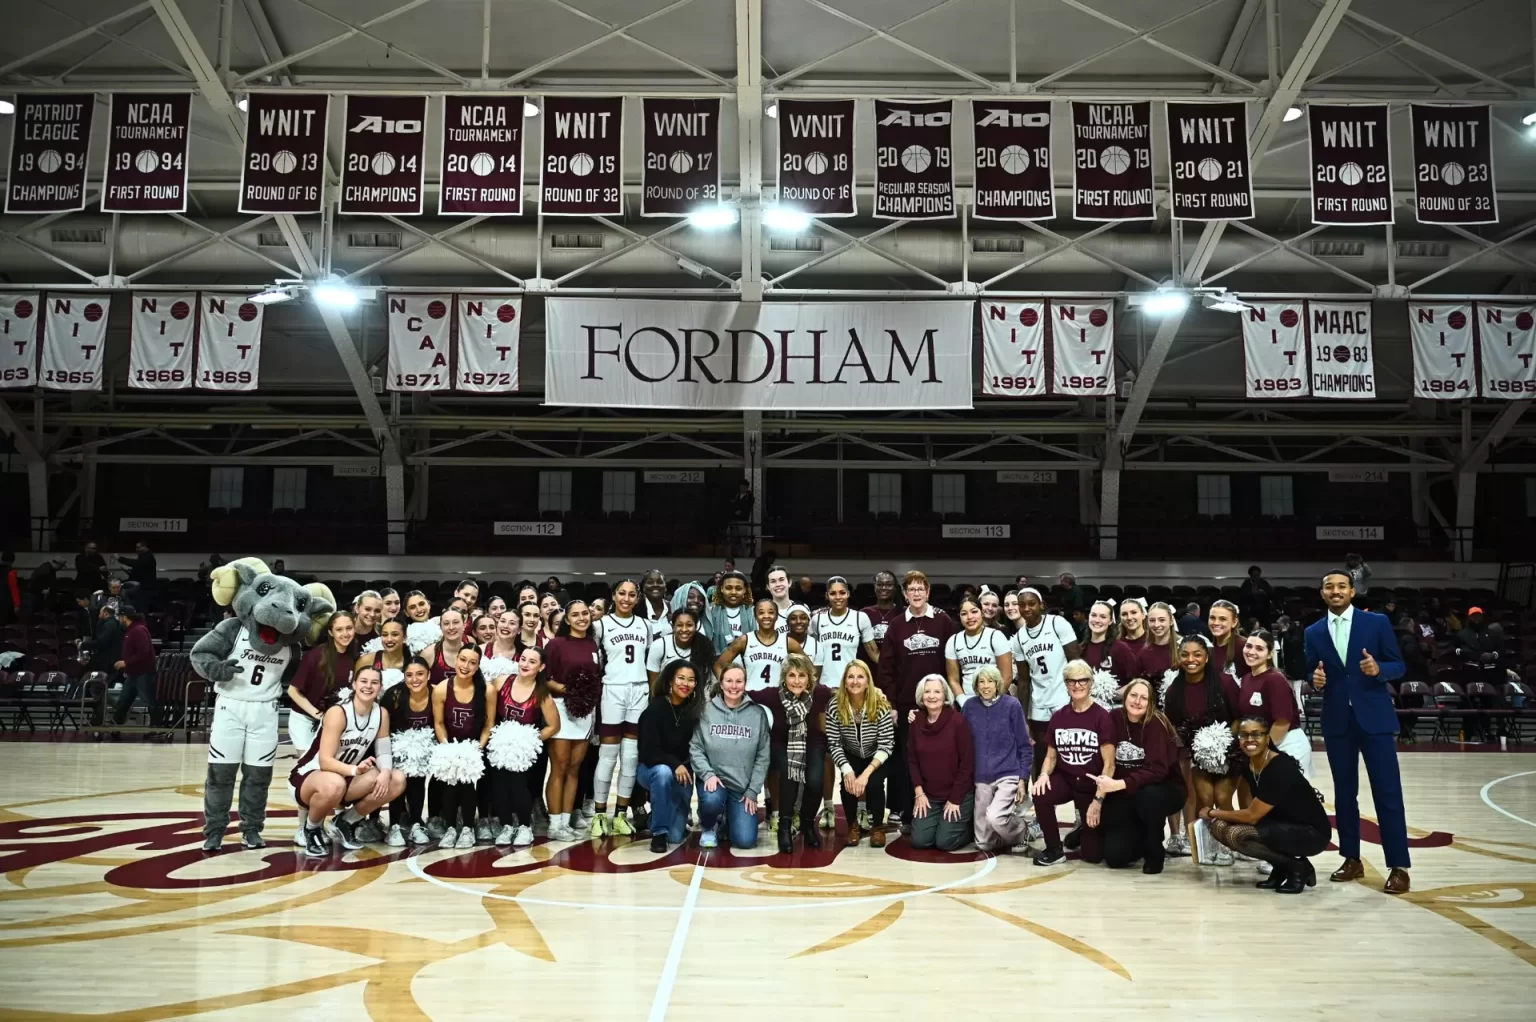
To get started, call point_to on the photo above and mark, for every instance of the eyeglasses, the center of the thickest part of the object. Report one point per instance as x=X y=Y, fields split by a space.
x=1253 y=735
x=1079 y=681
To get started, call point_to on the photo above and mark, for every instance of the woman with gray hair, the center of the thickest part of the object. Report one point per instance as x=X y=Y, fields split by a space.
x=1003 y=756
x=941 y=758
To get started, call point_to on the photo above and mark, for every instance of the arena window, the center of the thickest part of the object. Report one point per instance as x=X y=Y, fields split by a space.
x=1276 y=497
x=619 y=492
x=288 y=486
x=226 y=486
x=555 y=491
x=949 y=493
x=885 y=493
x=1213 y=495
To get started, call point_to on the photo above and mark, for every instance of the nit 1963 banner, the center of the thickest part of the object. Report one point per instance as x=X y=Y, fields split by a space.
x=636 y=353
x=18 y=339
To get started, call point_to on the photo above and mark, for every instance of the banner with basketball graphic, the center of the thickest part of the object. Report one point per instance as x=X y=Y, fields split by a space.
x=1351 y=164
x=1453 y=165
x=161 y=349
x=816 y=156
x=1013 y=160
x=1444 y=364
x=283 y=167
x=481 y=164
x=1339 y=338
x=1208 y=170
x=682 y=156
x=383 y=155
x=1275 y=350
x=18 y=340
x=1013 y=349
x=1506 y=337
x=419 y=328
x=914 y=163
x=1112 y=161
x=228 y=342
x=74 y=336
x=582 y=173
x=1083 y=346
x=489 y=330
x=50 y=143
x=147 y=138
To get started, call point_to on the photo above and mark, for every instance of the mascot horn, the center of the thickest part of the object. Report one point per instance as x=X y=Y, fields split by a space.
x=249 y=659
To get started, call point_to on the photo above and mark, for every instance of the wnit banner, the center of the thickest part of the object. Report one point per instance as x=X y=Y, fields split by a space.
x=625 y=353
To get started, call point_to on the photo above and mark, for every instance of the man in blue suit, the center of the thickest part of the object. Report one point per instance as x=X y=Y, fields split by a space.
x=1356 y=654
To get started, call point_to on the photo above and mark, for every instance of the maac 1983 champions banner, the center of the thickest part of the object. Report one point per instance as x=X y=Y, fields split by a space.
x=816 y=156
x=1444 y=366
x=74 y=334
x=18 y=340
x=489 y=326
x=1083 y=346
x=1112 y=161
x=1013 y=349
x=1275 y=349
x=161 y=354
x=1013 y=160
x=1507 y=337
x=1343 y=364
x=418 y=341
x=228 y=343
x=914 y=165
x=634 y=353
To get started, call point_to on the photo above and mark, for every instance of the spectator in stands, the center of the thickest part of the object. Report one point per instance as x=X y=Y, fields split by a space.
x=743 y=504
x=141 y=566
x=1073 y=600
x=106 y=645
x=1020 y=583
x=41 y=582
x=1359 y=573
x=279 y=566
x=1472 y=643
x=1290 y=648
x=90 y=567
x=85 y=621
x=802 y=593
x=1257 y=595
x=137 y=664
x=1191 y=622
x=552 y=587
x=10 y=589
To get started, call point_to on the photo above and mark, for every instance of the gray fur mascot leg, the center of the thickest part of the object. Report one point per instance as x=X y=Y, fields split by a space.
x=218 y=794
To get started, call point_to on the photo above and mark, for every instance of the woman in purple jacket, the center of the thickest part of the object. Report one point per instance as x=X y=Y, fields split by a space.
x=1003 y=756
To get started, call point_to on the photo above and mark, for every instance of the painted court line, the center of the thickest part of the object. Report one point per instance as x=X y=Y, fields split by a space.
x=668 y=978
x=1491 y=804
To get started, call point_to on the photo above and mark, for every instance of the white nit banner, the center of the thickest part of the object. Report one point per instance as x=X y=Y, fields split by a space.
x=1083 y=335
x=74 y=334
x=229 y=343
x=161 y=355
x=418 y=342
x=1013 y=349
x=1275 y=349
x=18 y=340
x=1343 y=365
x=638 y=353
x=489 y=327
x=1444 y=364
x=1508 y=344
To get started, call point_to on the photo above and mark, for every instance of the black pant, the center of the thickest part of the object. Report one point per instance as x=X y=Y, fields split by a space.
x=899 y=778
x=140 y=686
x=1296 y=840
x=406 y=809
x=459 y=802
x=512 y=794
x=874 y=793
x=1133 y=823
x=810 y=788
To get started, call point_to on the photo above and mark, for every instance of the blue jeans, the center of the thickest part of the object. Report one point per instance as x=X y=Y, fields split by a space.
x=669 y=801
x=741 y=824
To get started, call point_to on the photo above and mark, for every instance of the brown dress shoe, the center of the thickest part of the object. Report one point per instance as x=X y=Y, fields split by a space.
x=877 y=838
x=853 y=836
x=1397 y=882
x=1350 y=870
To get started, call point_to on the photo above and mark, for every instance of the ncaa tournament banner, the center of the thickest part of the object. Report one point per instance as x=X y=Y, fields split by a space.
x=914 y=165
x=418 y=342
x=1507 y=338
x=1013 y=160
x=283 y=170
x=1453 y=165
x=1275 y=349
x=160 y=356
x=583 y=169
x=1013 y=349
x=1208 y=161
x=1343 y=364
x=682 y=156
x=1083 y=343
x=481 y=164
x=74 y=336
x=50 y=141
x=228 y=343
x=1444 y=366
x=383 y=155
x=816 y=156
x=147 y=139
x=1351 y=161
x=18 y=339
x=646 y=353
x=489 y=327
x=1112 y=161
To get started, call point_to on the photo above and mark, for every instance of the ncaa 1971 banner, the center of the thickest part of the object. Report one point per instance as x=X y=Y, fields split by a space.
x=626 y=353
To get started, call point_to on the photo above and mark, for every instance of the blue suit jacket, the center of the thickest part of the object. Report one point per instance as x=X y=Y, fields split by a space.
x=1347 y=687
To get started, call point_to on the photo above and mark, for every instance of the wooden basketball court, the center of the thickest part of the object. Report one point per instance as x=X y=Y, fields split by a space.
x=109 y=911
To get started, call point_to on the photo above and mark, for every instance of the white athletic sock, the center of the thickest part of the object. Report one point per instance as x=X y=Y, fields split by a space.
x=559 y=820
x=352 y=815
x=602 y=784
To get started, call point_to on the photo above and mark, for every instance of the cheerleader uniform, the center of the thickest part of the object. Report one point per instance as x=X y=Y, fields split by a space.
x=1118 y=658
x=441 y=669
x=562 y=656
x=391 y=676
x=1192 y=715
x=459 y=725
x=1269 y=694
x=409 y=806
x=513 y=792
x=1154 y=662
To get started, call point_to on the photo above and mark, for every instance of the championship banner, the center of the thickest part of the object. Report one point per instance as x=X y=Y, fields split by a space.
x=1083 y=342
x=1339 y=336
x=639 y=353
x=682 y=156
x=74 y=336
x=1112 y=161
x=228 y=343
x=1444 y=366
x=1453 y=165
x=1013 y=349
x=489 y=329
x=914 y=165
x=147 y=137
x=481 y=165
x=1508 y=345
x=583 y=169
x=283 y=169
x=50 y=143
x=816 y=156
x=383 y=155
x=160 y=357
x=1351 y=160
x=1208 y=166
x=18 y=340
x=418 y=342
x=1275 y=350
x=1013 y=160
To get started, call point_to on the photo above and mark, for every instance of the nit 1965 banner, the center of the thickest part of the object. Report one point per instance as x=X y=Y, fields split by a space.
x=635 y=353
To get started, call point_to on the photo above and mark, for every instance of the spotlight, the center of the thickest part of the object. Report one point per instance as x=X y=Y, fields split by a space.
x=782 y=218
x=773 y=110
x=713 y=218
x=1224 y=303
x=1292 y=113
x=7 y=107
x=243 y=104
x=1164 y=302
x=334 y=293
x=275 y=294
x=690 y=267
x=530 y=108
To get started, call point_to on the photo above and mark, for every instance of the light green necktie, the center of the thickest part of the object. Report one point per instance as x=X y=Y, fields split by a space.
x=1341 y=637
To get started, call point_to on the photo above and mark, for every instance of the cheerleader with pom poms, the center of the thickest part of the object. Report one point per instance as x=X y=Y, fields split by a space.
x=1200 y=703
x=526 y=718
x=463 y=709
x=410 y=708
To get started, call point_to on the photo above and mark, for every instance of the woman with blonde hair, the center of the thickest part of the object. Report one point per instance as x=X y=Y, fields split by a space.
x=1079 y=745
x=1148 y=784
x=797 y=711
x=1161 y=653
x=861 y=734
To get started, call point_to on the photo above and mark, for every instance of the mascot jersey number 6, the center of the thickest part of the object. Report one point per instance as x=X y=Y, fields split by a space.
x=249 y=659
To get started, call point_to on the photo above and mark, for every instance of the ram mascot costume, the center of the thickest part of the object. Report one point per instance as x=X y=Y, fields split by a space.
x=249 y=659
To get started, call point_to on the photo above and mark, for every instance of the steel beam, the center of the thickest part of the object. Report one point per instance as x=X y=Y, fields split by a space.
x=37 y=479
x=749 y=131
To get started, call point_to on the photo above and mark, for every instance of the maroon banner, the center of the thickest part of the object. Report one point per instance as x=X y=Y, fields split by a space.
x=1112 y=161
x=1208 y=161
x=583 y=169
x=147 y=138
x=482 y=156
x=1013 y=160
x=383 y=155
x=1453 y=165
x=1351 y=165
x=283 y=170
x=816 y=156
x=914 y=165
x=682 y=156
x=50 y=143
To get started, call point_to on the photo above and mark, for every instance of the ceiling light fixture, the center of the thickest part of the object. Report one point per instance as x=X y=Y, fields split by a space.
x=783 y=218
x=335 y=293
x=1292 y=113
x=275 y=294
x=530 y=108
x=713 y=218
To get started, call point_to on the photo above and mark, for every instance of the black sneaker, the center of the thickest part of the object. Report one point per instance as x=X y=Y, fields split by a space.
x=1152 y=867
x=315 y=843
x=1050 y=857
x=346 y=833
x=658 y=842
x=1073 y=839
x=641 y=820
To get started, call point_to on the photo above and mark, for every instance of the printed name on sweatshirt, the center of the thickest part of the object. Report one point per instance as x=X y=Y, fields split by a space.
x=731 y=731
x=1077 y=745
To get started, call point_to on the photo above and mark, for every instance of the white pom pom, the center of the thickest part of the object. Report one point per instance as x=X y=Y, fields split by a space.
x=458 y=762
x=373 y=645
x=1106 y=690
x=1208 y=748
x=513 y=746
x=412 y=750
x=1169 y=677
x=421 y=634
x=392 y=677
x=342 y=695
x=493 y=667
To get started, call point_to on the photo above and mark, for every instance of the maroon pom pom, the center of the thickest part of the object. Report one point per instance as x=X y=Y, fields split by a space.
x=583 y=689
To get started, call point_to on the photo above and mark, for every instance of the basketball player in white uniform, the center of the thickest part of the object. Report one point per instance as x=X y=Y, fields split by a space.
x=762 y=652
x=840 y=633
x=1043 y=645
x=623 y=638
x=973 y=647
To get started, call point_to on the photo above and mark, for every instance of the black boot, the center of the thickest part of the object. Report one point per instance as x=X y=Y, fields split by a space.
x=1274 y=880
x=808 y=828
x=786 y=833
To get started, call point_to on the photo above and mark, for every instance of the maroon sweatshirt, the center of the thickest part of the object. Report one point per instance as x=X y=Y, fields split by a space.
x=138 y=650
x=1118 y=658
x=1152 y=662
x=913 y=647
x=941 y=756
x=1145 y=752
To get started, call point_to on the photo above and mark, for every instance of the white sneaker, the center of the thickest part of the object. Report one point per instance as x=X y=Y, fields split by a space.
x=396 y=837
x=1022 y=848
x=1177 y=844
x=523 y=838
x=1265 y=868
x=419 y=834
x=466 y=838
x=301 y=836
x=1223 y=856
x=828 y=820
x=1034 y=833
x=773 y=823
x=504 y=835
x=557 y=833
x=864 y=822
x=449 y=837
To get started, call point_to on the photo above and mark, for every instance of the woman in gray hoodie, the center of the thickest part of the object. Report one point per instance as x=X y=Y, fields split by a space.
x=730 y=751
